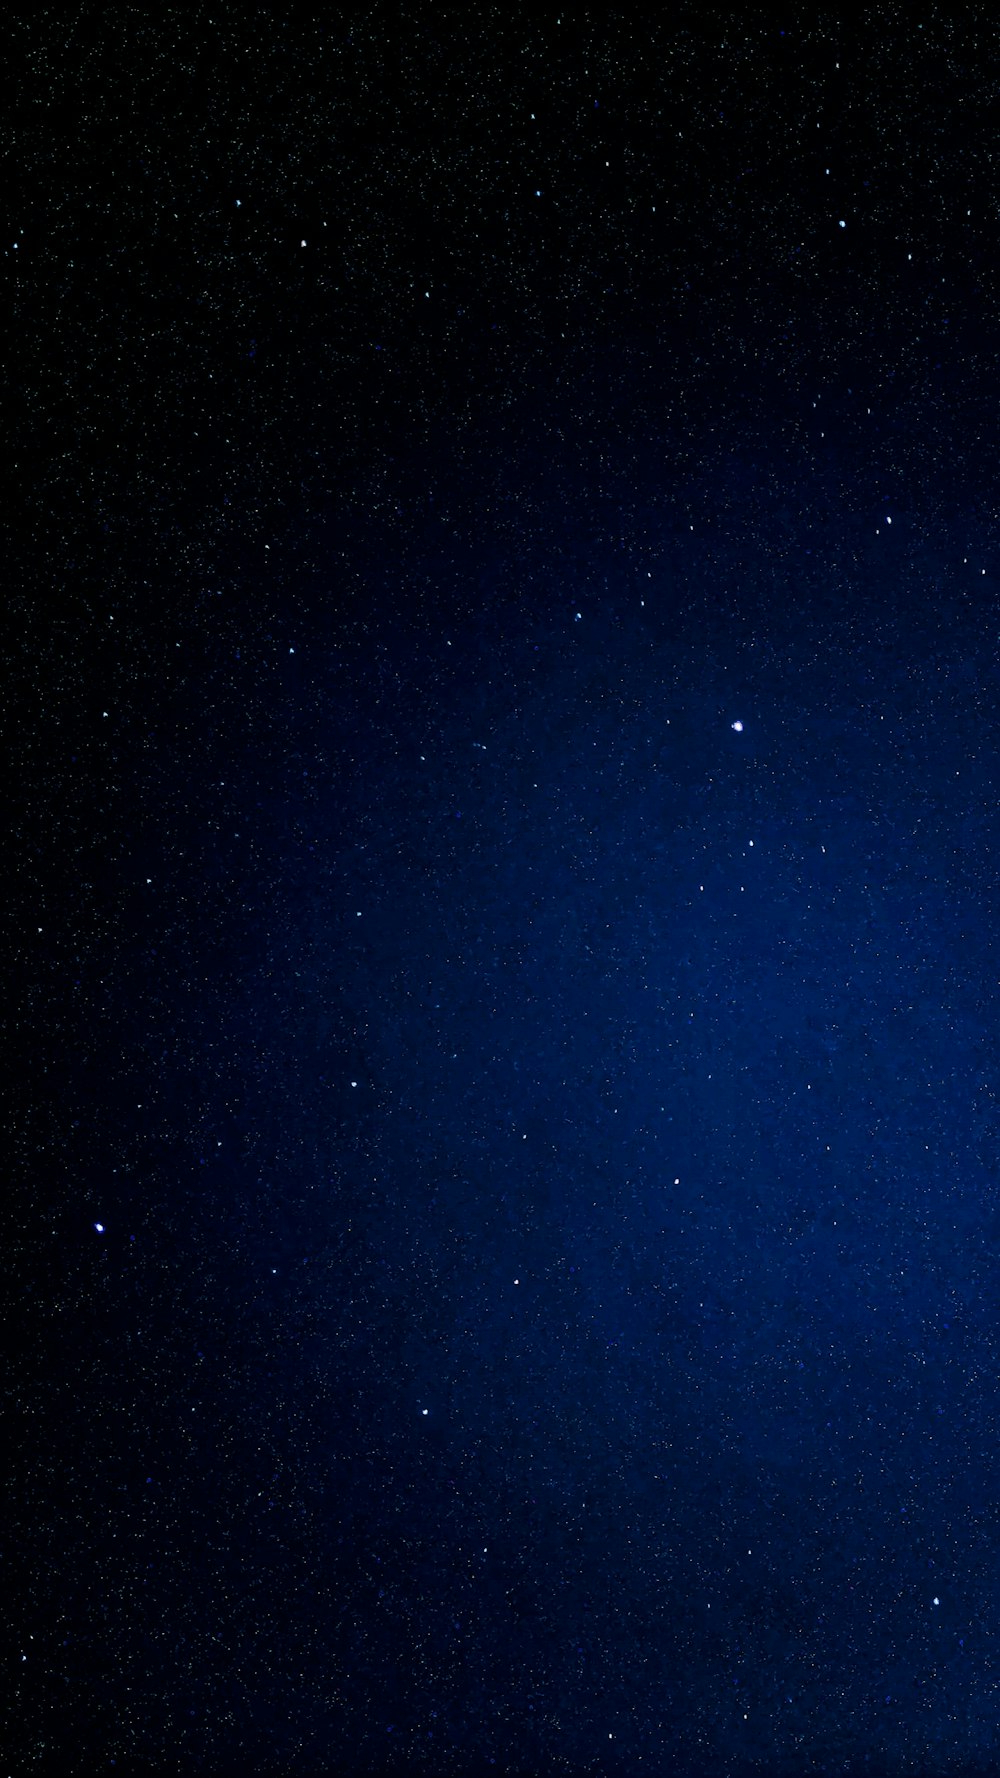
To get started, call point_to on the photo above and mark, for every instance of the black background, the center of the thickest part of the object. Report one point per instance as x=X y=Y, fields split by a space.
x=502 y=1252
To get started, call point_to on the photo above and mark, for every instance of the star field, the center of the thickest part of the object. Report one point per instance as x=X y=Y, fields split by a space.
x=501 y=655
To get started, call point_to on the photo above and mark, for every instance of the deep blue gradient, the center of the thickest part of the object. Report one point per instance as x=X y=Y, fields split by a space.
x=503 y=1234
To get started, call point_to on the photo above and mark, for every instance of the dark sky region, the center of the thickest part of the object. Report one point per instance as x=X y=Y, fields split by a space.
x=500 y=678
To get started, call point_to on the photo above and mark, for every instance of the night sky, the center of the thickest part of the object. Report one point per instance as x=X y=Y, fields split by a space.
x=500 y=680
